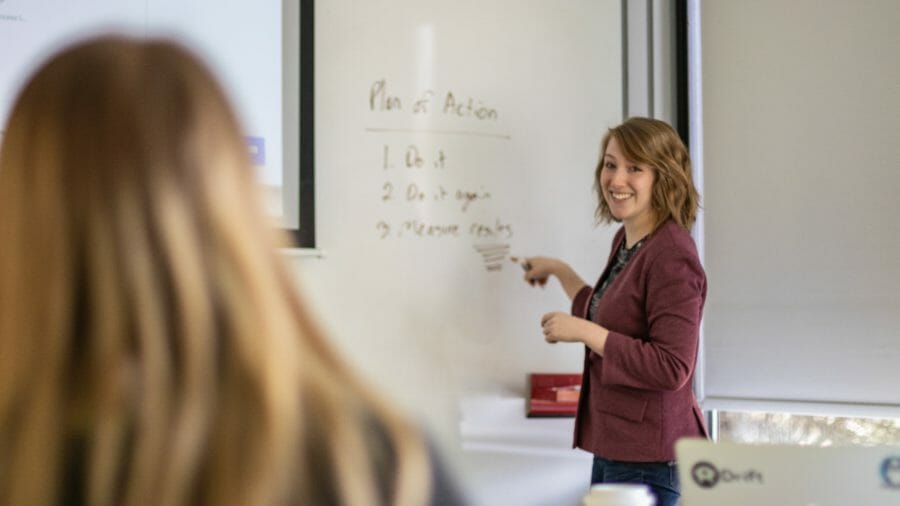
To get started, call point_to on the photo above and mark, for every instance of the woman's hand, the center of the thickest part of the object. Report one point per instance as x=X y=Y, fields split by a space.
x=539 y=269
x=563 y=327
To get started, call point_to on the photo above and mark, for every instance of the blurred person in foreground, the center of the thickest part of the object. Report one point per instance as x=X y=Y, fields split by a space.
x=153 y=349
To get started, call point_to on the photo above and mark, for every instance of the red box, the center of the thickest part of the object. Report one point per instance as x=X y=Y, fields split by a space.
x=553 y=395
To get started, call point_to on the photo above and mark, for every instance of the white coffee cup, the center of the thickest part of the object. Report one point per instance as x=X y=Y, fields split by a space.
x=619 y=494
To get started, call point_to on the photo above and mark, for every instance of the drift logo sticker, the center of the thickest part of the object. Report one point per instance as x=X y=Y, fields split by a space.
x=707 y=475
x=890 y=472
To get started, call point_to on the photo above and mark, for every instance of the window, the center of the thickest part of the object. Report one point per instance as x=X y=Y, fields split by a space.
x=785 y=428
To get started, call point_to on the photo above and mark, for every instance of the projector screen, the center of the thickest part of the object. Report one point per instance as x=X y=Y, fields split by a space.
x=254 y=49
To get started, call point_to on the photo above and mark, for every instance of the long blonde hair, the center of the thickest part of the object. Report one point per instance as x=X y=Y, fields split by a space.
x=153 y=349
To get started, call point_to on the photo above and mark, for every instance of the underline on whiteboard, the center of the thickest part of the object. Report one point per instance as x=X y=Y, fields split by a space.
x=440 y=132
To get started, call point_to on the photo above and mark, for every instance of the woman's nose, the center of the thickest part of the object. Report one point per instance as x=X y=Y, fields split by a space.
x=618 y=178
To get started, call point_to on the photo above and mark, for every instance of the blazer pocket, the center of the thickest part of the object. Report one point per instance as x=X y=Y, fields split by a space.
x=628 y=405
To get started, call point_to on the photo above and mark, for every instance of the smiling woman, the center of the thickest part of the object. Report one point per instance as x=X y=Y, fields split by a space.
x=668 y=164
x=625 y=188
x=640 y=322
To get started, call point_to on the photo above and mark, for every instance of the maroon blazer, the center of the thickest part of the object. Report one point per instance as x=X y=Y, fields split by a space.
x=637 y=399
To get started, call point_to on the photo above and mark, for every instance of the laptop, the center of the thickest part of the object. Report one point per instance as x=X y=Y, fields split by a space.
x=731 y=474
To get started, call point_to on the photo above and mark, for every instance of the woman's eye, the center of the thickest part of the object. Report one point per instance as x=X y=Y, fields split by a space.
x=634 y=168
x=609 y=165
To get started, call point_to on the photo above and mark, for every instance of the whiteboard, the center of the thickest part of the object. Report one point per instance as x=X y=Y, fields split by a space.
x=449 y=136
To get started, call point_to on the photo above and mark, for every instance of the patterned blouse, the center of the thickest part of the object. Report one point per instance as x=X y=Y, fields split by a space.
x=623 y=255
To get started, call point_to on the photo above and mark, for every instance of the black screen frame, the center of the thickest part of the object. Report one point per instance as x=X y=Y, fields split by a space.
x=304 y=236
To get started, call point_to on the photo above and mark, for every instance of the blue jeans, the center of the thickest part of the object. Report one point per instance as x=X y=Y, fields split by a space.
x=661 y=477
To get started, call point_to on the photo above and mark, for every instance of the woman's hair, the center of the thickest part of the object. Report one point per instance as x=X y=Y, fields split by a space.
x=153 y=349
x=652 y=142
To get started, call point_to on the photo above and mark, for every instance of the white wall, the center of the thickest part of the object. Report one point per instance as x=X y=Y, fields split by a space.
x=801 y=112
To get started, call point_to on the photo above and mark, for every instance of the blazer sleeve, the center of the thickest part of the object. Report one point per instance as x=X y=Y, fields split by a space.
x=581 y=300
x=676 y=290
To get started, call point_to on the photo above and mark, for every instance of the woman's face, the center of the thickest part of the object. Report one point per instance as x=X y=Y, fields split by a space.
x=627 y=186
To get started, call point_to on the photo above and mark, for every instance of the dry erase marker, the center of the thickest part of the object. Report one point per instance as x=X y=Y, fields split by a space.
x=521 y=261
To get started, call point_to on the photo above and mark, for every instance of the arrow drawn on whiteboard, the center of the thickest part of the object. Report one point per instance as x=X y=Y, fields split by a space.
x=494 y=255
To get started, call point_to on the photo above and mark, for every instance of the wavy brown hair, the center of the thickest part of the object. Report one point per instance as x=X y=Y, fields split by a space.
x=153 y=347
x=655 y=143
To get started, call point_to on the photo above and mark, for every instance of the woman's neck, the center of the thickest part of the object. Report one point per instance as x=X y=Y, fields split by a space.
x=635 y=230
